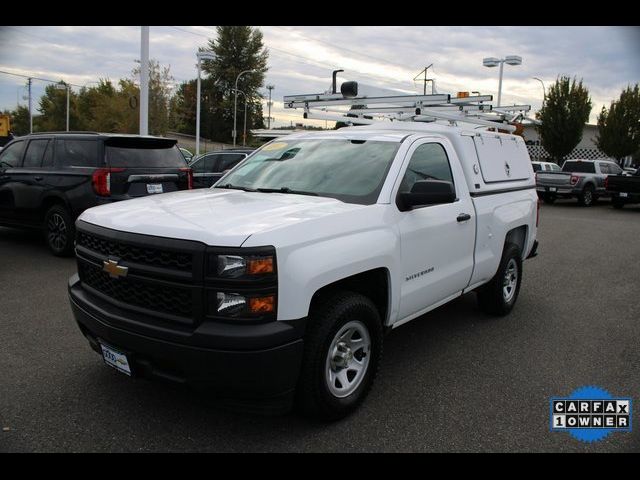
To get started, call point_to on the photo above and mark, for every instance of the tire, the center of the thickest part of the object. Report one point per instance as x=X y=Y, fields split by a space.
x=549 y=198
x=59 y=231
x=354 y=317
x=587 y=197
x=617 y=202
x=494 y=297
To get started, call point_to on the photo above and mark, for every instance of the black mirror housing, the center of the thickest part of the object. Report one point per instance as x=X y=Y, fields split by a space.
x=427 y=192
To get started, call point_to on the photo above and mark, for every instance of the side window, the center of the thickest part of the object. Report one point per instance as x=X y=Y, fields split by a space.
x=604 y=168
x=198 y=166
x=77 y=153
x=210 y=162
x=34 y=154
x=428 y=162
x=230 y=160
x=12 y=155
x=47 y=159
x=614 y=169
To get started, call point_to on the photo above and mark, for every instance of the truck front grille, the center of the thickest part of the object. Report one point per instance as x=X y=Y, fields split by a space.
x=133 y=291
x=137 y=254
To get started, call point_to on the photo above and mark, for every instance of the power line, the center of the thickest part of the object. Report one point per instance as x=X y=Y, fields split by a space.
x=38 y=78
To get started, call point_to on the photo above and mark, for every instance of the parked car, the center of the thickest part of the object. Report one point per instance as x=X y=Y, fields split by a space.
x=545 y=167
x=209 y=167
x=629 y=171
x=48 y=179
x=623 y=189
x=279 y=282
x=581 y=179
x=186 y=154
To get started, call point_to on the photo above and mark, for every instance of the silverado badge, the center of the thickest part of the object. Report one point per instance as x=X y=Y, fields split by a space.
x=113 y=269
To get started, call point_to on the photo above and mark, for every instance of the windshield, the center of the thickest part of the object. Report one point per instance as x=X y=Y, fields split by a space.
x=352 y=171
x=579 y=167
x=141 y=157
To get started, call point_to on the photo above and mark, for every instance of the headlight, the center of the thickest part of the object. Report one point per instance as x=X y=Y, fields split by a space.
x=236 y=305
x=235 y=266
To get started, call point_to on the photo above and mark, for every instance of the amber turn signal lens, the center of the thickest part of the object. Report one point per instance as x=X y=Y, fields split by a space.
x=260 y=265
x=262 y=304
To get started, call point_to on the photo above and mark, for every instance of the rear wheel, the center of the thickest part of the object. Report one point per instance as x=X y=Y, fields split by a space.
x=549 y=198
x=59 y=230
x=499 y=295
x=343 y=347
x=617 y=202
x=587 y=197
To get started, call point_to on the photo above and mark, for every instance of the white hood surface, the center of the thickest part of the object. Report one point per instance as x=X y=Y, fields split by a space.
x=215 y=217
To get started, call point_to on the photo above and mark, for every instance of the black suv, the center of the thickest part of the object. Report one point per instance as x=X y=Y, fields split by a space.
x=209 y=167
x=48 y=179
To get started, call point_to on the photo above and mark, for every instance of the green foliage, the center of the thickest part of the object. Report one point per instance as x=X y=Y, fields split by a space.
x=237 y=48
x=619 y=126
x=19 y=120
x=563 y=115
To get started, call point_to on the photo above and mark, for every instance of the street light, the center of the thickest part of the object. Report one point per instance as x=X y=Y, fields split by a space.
x=235 y=104
x=494 y=62
x=244 y=132
x=64 y=86
x=544 y=90
x=200 y=56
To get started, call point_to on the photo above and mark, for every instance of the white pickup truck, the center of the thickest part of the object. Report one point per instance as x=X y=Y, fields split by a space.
x=279 y=282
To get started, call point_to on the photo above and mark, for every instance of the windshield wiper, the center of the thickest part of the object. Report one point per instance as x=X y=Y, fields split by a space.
x=235 y=187
x=286 y=190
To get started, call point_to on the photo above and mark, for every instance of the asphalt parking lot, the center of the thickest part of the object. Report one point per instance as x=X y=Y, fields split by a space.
x=453 y=380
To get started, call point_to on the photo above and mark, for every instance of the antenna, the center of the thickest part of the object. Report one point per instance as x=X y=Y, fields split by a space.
x=424 y=92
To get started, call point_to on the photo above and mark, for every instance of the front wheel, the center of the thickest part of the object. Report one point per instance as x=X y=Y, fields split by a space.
x=499 y=295
x=343 y=347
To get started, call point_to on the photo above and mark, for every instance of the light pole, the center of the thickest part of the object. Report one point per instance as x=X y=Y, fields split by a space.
x=494 y=62
x=269 y=103
x=244 y=132
x=235 y=104
x=544 y=90
x=200 y=56
x=64 y=86
x=144 y=80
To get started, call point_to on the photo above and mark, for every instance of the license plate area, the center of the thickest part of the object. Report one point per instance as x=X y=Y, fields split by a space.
x=623 y=195
x=154 y=188
x=115 y=359
x=553 y=189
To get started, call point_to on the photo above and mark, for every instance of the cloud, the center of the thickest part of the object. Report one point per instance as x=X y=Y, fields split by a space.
x=302 y=58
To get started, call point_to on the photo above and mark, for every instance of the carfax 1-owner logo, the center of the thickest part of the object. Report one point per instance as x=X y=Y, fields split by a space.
x=590 y=414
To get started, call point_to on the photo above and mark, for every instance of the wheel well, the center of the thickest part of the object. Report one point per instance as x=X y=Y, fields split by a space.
x=373 y=284
x=49 y=202
x=518 y=236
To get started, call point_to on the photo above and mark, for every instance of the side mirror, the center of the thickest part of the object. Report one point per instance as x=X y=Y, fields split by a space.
x=427 y=192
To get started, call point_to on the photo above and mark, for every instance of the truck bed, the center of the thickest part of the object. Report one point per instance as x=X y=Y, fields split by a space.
x=623 y=184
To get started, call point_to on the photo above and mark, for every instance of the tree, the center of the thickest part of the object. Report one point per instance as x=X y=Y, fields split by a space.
x=237 y=48
x=565 y=111
x=20 y=120
x=619 y=126
x=53 y=107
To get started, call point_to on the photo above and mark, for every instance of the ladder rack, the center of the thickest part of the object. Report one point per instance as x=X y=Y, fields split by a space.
x=370 y=110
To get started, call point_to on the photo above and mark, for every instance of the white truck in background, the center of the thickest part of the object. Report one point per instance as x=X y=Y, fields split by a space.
x=279 y=282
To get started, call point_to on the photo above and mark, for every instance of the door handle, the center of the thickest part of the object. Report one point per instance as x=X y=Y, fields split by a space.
x=463 y=217
x=38 y=179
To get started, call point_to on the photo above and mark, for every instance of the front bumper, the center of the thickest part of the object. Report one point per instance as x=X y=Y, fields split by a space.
x=236 y=361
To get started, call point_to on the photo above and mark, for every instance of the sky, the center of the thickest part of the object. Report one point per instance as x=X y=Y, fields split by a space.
x=301 y=59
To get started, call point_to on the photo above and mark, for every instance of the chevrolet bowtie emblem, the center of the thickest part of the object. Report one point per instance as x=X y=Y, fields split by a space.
x=113 y=269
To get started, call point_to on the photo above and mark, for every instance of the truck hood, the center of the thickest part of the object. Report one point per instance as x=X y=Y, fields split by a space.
x=212 y=216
